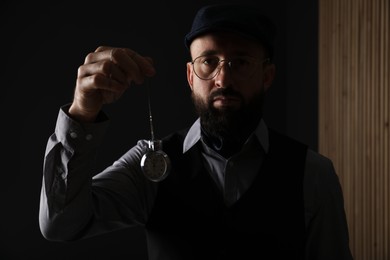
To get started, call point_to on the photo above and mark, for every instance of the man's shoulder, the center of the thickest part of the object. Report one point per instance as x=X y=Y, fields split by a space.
x=279 y=139
x=313 y=157
x=176 y=135
x=316 y=159
x=174 y=140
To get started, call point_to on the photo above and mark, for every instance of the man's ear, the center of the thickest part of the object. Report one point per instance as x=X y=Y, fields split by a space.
x=269 y=75
x=190 y=74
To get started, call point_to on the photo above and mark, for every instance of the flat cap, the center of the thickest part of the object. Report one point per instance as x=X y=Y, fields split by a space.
x=246 y=20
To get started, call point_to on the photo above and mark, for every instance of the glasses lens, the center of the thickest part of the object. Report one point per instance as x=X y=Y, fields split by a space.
x=242 y=66
x=206 y=66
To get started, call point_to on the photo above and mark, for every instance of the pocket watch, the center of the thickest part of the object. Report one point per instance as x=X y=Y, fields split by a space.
x=155 y=163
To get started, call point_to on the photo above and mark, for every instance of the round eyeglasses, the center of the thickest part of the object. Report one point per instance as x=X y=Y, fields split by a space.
x=207 y=67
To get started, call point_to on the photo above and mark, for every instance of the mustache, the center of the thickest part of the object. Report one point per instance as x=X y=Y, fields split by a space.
x=225 y=92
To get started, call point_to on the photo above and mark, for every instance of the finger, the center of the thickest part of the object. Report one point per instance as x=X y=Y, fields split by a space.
x=91 y=85
x=123 y=59
x=107 y=68
x=103 y=54
x=133 y=65
x=145 y=63
x=128 y=65
x=103 y=48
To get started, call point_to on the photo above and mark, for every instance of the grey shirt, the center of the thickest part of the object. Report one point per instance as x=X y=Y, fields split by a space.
x=73 y=195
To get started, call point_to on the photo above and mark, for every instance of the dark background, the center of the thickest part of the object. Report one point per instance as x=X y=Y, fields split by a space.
x=42 y=45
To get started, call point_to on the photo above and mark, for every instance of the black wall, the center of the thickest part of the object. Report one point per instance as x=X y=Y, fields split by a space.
x=42 y=45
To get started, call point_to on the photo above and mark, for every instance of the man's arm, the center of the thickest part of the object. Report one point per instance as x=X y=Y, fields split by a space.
x=75 y=203
x=326 y=224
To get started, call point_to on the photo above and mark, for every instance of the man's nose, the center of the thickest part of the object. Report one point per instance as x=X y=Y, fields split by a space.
x=224 y=75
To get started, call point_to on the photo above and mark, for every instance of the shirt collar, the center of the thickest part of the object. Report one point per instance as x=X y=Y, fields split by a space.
x=193 y=135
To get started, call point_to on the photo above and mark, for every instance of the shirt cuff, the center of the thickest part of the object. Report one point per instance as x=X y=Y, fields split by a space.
x=75 y=135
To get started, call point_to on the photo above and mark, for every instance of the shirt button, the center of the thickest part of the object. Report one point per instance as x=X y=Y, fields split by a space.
x=73 y=135
x=88 y=137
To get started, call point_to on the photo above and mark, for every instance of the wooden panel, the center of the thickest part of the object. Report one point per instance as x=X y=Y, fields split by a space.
x=354 y=115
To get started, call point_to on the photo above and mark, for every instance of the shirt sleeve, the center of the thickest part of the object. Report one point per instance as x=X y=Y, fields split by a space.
x=326 y=224
x=77 y=202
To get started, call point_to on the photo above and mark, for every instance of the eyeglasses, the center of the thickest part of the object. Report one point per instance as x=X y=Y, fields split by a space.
x=207 y=67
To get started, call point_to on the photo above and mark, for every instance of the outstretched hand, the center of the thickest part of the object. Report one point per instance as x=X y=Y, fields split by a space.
x=104 y=77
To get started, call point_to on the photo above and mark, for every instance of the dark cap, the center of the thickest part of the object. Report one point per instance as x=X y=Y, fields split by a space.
x=243 y=19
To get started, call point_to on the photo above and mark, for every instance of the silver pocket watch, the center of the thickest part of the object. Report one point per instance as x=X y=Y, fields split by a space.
x=155 y=163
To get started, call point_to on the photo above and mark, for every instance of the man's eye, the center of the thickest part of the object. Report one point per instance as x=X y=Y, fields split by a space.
x=210 y=61
x=241 y=62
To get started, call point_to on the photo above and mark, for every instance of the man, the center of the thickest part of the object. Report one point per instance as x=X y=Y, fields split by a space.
x=232 y=187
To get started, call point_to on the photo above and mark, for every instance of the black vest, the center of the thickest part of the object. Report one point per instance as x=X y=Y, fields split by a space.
x=190 y=220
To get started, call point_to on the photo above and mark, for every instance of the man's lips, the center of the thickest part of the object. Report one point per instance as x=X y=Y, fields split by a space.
x=226 y=99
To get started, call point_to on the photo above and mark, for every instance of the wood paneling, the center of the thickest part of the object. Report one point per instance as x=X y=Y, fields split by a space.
x=354 y=115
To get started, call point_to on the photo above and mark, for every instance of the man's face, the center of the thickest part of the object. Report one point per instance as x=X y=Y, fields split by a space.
x=229 y=99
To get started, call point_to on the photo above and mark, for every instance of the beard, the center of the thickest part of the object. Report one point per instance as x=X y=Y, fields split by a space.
x=229 y=125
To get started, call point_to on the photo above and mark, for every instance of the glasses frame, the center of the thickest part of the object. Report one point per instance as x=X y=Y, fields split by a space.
x=220 y=65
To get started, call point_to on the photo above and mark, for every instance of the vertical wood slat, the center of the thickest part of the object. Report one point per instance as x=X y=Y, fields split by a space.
x=354 y=115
